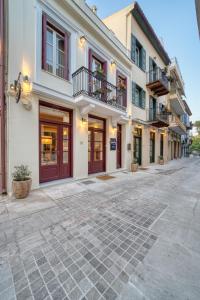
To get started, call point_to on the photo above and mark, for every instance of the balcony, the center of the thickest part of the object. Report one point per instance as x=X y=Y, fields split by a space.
x=189 y=125
x=157 y=82
x=93 y=89
x=158 y=117
x=176 y=101
x=177 y=126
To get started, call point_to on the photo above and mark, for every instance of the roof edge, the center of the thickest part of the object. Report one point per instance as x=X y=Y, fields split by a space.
x=149 y=32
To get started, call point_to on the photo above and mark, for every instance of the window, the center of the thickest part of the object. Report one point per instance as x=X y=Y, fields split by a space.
x=138 y=53
x=138 y=96
x=54 y=49
x=153 y=70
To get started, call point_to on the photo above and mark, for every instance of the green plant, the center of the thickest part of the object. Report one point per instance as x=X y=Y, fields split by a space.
x=21 y=173
x=100 y=70
x=135 y=160
x=161 y=157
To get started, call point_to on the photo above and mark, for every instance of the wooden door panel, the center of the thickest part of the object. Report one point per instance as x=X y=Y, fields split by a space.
x=119 y=147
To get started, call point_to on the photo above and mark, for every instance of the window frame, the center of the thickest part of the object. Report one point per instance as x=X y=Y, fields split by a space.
x=141 y=103
x=47 y=22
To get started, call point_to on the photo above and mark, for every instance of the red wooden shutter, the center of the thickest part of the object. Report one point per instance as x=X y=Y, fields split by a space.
x=44 y=35
x=90 y=59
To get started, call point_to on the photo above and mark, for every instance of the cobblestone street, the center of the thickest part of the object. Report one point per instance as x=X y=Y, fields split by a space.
x=135 y=236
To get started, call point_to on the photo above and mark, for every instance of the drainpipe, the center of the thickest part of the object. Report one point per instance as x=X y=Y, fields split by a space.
x=2 y=99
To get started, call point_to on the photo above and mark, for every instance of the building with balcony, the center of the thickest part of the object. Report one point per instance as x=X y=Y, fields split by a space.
x=67 y=92
x=180 y=112
x=81 y=96
x=150 y=84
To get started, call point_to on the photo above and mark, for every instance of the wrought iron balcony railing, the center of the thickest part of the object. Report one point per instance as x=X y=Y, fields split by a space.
x=157 y=81
x=158 y=117
x=94 y=85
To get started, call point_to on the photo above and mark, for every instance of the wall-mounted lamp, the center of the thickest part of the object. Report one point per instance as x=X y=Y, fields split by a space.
x=113 y=63
x=82 y=41
x=84 y=121
x=16 y=87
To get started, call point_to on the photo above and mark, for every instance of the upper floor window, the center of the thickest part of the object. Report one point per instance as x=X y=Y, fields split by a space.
x=138 y=53
x=138 y=96
x=153 y=70
x=54 y=48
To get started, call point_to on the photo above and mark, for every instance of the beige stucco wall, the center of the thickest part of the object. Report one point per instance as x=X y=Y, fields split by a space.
x=24 y=54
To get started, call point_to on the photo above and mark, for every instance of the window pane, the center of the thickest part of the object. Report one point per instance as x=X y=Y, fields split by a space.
x=98 y=146
x=48 y=145
x=51 y=114
x=49 y=53
x=65 y=144
x=49 y=36
x=60 y=43
x=95 y=123
x=98 y=136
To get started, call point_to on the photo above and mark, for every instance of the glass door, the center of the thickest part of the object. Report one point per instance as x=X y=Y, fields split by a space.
x=138 y=149
x=152 y=147
x=55 y=151
x=96 y=146
x=49 y=151
x=65 y=153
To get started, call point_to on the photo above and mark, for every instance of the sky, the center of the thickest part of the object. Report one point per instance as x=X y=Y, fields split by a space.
x=174 y=21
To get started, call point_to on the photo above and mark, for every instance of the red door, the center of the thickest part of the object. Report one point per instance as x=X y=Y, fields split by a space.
x=96 y=145
x=119 y=146
x=55 y=151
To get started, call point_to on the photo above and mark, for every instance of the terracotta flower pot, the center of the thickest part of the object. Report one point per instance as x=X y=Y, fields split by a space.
x=161 y=161
x=134 y=167
x=21 y=189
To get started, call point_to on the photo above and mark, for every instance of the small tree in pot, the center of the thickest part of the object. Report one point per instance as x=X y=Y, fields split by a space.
x=21 y=182
x=161 y=160
x=134 y=165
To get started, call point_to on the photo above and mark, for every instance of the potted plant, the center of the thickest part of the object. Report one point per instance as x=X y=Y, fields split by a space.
x=121 y=86
x=134 y=165
x=99 y=73
x=21 y=182
x=161 y=160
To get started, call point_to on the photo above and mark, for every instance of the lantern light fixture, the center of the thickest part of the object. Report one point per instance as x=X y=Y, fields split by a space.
x=113 y=63
x=16 y=86
x=82 y=41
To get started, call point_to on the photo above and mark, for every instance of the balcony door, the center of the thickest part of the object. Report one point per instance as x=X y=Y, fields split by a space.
x=96 y=145
x=152 y=147
x=152 y=108
x=55 y=144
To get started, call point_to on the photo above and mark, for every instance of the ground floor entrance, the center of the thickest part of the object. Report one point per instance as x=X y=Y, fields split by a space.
x=119 y=146
x=138 y=145
x=55 y=143
x=152 y=147
x=96 y=144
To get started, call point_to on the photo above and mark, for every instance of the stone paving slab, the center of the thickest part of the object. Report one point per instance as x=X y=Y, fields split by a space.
x=79 y=249
x=97 y=242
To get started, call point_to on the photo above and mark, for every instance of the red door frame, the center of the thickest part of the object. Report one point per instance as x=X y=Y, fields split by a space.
x=60 y=125
x=119 y=146
x=91 y=170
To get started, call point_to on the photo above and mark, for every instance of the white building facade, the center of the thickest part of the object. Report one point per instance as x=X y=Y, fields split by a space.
x=78 y=99
x=73 y=116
